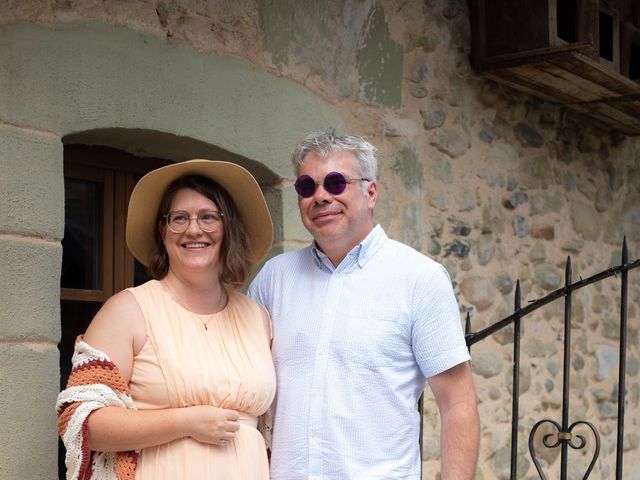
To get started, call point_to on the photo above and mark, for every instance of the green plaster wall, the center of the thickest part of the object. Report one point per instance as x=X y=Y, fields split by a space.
x=380 y=64
x=30 y=272
x=408 y=167
x=30 y=378
x=346 y=43
x=277 y=22
x=83 y=76
x=31 y=184
x=31 y=226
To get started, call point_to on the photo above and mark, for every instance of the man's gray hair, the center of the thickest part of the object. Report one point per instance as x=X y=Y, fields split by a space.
x=323 y=143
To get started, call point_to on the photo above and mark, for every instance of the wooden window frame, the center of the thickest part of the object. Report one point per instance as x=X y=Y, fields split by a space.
x=116 y=171
x=106 y=262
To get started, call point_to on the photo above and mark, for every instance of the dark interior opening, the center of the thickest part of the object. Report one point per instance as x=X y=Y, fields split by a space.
x=634 y=61
x=566 y=20
x=606 y=36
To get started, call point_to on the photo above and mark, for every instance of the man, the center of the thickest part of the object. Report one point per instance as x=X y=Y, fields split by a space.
x=359 y=322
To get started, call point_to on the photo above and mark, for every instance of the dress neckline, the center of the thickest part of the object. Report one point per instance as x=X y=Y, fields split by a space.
x=201 y=316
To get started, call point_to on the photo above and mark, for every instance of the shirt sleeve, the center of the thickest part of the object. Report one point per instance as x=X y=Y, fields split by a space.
x=437 y=337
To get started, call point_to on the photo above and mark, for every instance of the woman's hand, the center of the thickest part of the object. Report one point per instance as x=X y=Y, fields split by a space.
x=212 y=425
x=115 y=429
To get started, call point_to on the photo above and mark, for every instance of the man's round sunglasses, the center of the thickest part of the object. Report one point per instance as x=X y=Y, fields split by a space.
x=335 y=183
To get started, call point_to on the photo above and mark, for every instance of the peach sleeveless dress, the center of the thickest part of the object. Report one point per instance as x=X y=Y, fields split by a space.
x=181 y=364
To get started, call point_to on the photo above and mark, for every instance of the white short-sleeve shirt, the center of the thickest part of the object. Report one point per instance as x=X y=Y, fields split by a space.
x=352 y=347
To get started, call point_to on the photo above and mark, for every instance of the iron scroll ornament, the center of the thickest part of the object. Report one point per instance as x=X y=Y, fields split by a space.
x=567 y=438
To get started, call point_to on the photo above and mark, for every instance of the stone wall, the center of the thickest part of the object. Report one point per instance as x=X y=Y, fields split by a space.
x=496 y=185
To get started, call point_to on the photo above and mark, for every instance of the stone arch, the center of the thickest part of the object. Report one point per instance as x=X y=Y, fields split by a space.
x=86 y=76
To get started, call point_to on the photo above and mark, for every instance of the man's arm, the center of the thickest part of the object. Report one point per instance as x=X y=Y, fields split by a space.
x=459 y=422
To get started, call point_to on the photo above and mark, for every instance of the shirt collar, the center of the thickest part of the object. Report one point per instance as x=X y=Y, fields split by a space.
x=360 y=254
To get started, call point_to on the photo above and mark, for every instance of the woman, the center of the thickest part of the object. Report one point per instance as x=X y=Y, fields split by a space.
x=179 y=367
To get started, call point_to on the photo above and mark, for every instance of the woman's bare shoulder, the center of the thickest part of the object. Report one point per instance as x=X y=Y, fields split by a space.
x=118 y=329
x=121 y=310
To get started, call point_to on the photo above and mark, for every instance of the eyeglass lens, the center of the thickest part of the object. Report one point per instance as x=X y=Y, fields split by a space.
x=334 y=183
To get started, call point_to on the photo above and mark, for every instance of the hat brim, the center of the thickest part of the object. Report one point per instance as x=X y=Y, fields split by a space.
x=236 y=180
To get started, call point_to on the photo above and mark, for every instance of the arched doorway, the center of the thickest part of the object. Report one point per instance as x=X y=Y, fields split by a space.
x=98 y=183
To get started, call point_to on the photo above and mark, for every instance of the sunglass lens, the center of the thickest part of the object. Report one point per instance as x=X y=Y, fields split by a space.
x=335 y=183
x=305 y=186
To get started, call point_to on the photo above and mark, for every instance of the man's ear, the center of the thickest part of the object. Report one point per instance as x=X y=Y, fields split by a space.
x=372 y=194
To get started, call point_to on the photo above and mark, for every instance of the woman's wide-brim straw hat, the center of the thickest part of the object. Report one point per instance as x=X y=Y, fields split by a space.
x=237 y=181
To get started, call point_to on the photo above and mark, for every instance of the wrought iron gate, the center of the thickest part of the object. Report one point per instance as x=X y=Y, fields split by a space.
x=565 y=436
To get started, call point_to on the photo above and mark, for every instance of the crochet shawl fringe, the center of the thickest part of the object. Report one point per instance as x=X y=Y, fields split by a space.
x=95 y=382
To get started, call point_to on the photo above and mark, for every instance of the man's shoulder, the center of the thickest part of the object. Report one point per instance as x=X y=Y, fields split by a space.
x=287 y=260
x=277 y=270
x=407 y=257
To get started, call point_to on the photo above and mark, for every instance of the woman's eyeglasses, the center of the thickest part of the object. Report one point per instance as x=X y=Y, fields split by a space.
x=179 y=221
x=335 y=183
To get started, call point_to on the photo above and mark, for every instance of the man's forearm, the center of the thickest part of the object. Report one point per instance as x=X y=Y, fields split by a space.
x=459 y=442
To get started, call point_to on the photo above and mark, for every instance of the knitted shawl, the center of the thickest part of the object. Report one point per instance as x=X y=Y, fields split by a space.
x=94 y=383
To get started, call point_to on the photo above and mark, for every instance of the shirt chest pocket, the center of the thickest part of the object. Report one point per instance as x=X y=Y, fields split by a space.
x=371 y=340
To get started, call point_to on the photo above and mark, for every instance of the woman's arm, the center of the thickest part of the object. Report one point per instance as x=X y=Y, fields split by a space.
x=119 y=330
x=113 y=429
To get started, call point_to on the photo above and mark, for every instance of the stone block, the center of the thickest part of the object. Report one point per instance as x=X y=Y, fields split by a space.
x=398 y=127
x=449 y=143
x=30 y=378
x=585 y=220
x=31 y=184
x=478 y=291
x=30 y=269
